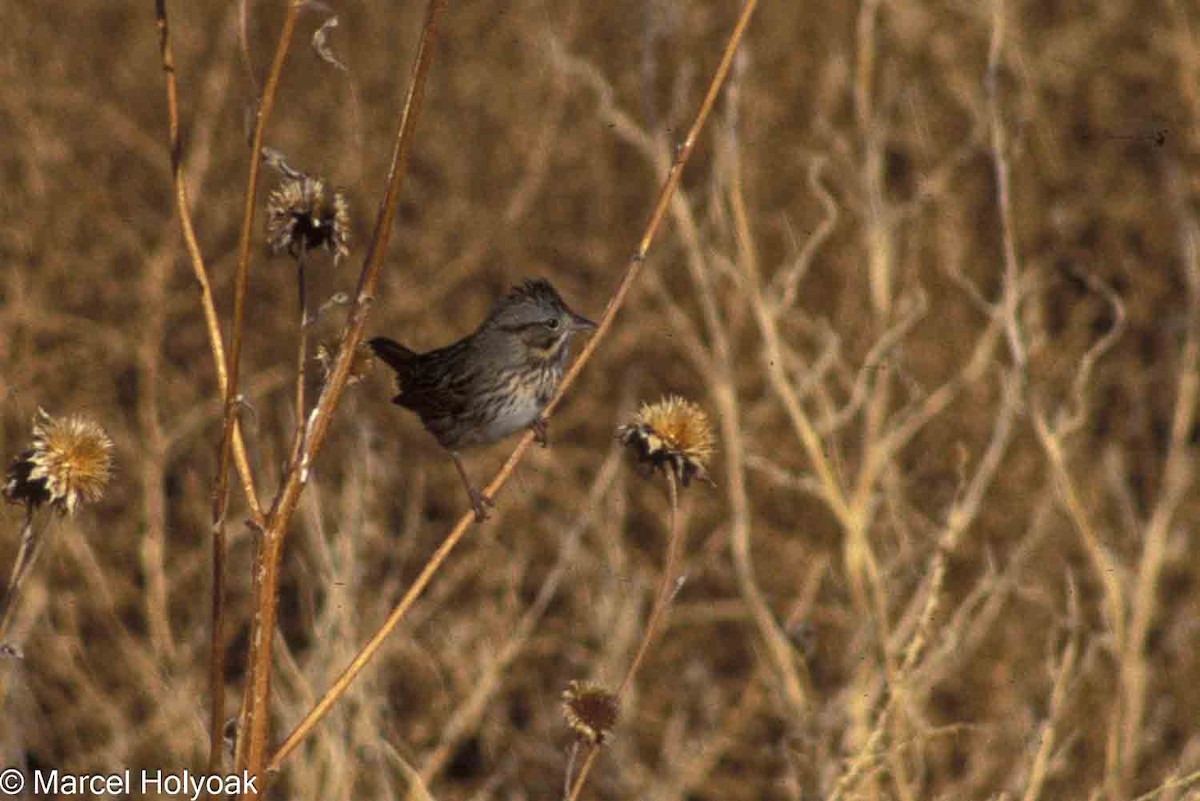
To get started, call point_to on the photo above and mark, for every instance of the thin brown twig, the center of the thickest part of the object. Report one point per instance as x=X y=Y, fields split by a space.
x=266 y=103
x=302 y=356
x=1000 y=164
x=30 y=545
x=368 y=651
x=191 y=243
x=1178 y=478
x=1048 y=733
x=667 y=587
x=216 y=344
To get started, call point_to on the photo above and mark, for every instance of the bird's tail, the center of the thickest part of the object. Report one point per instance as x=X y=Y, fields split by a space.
x=395 y=355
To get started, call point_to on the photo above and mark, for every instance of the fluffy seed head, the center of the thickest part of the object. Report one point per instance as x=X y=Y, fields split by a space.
x=673 y=435
x=590 y=711
x=69 y=462
x=303 y=214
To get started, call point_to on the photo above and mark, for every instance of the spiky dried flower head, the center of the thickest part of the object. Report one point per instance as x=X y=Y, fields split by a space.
x=362 y=364
x=69 y=462
x=590 y=711
x=303 y=214
x=671 y=435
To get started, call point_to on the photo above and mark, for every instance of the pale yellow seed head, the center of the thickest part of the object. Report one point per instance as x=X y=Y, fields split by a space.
x=673 y=434
x=69 y=463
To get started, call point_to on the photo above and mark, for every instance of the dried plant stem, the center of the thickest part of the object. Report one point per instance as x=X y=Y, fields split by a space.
x=216 y=345
x=667 y=587
x=861 y=563
x=1177 y=482
x=27 y=553
x=1049 y=730
x=302 y=355
x=200 y=272
x=364 y=656
x=266 y=103
x=1000 y=164
x=571 y=759
x=252 y=741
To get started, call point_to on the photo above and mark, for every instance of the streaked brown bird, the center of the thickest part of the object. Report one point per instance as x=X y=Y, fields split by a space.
x=493 y=382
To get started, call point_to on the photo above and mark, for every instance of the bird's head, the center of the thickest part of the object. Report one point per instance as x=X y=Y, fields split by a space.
x=535 y=315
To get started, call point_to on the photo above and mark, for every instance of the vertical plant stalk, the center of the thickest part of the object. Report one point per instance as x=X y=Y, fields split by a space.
x=667 y=586
x=199 y=271
x=27 y=553
x=999 y=142
x=1178 y=480
x=861 y=563
x=216 y=345
x=364 y=656
x=221 y=493
x=265 y=105
x=302 y=356
x=252 y=740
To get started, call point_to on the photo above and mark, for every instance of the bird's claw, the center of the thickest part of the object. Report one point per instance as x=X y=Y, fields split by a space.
x=480 y=503
x=540 y=435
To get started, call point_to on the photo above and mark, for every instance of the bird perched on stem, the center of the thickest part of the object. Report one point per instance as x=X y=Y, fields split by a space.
x=493 y=382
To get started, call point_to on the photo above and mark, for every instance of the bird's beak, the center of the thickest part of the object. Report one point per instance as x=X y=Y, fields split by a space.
x=581 y=323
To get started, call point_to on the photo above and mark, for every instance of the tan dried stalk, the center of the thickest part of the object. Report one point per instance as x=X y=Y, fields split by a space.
x=30 y=544
x=668 y=584
x=216 y=345
x=252 y=718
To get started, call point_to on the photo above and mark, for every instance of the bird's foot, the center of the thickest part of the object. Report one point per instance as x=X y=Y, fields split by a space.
x=539 y=432
x=480 y=503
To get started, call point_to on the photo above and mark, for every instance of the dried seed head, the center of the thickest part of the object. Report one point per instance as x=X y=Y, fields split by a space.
x=303 y=215
x=70 y=461
x=673 y=435
x=361 y=366
x=590 y=710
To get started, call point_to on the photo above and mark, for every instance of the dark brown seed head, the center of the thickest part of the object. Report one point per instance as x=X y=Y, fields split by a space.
x=303 y=215
x=590 y=710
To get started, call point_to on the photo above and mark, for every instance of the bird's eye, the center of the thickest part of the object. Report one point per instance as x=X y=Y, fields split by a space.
x=553 y=324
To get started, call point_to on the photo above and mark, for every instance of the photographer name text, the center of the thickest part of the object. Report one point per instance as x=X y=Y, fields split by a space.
x=180 y=784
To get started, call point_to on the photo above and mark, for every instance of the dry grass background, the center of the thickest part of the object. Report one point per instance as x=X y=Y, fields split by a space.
x=948 y=553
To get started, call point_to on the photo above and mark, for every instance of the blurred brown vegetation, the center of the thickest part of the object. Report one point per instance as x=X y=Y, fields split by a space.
x=948 y=553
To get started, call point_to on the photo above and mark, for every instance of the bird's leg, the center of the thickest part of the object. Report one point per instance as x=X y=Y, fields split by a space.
x=479 y=501
x=539 y=431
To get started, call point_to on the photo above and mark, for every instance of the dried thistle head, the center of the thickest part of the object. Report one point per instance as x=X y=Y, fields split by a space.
x=69 y=462
x=671 y=435
x=303 y=214
x=361 y=365
x=590 y=711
